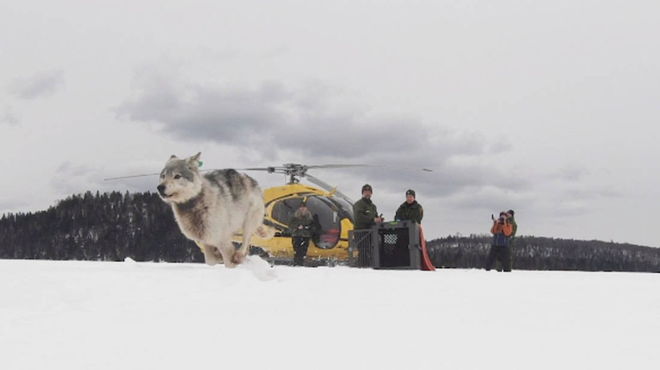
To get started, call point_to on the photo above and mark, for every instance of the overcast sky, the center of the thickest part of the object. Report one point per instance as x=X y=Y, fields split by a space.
x=549 y=108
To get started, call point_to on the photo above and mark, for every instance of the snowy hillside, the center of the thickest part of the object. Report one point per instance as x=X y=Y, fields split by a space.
x=98 y=315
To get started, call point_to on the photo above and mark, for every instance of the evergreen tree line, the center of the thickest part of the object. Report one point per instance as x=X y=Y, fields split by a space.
x=103 y=227
x=536 y=253
x=113 y=226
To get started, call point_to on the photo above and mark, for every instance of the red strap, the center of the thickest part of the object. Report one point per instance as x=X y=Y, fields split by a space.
x=426 y=261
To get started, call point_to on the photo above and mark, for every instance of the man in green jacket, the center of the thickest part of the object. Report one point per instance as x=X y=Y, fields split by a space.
x=410 y=209
x=365 y=211
x=366 y=216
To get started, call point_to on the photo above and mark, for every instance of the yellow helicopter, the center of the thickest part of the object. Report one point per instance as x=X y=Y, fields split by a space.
x=331 y=209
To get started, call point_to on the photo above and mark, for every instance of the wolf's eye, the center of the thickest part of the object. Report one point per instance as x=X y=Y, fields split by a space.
x=176 y=177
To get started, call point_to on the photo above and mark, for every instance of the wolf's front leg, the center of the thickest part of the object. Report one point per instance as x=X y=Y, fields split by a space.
x=228 y=254
x=211 y=255
x=240 y=253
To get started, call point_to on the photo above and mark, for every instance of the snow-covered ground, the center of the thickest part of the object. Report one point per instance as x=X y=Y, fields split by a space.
x=127 y=315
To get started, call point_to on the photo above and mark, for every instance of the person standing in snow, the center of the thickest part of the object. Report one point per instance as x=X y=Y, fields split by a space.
x=365 y=211
x=410 y=209
x=366 y=215
x=512 y=251
x=501 y=230
x=300 y=225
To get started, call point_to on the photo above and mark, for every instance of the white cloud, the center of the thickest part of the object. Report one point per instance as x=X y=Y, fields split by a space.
x=8 y=116
x=39 y=85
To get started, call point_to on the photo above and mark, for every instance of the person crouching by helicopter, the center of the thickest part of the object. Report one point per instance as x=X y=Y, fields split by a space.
x=410 y=209
x=366 y=216
x=501 y=230
x=300 y=225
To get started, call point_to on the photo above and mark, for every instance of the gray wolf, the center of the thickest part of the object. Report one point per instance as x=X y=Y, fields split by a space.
x=212 y=208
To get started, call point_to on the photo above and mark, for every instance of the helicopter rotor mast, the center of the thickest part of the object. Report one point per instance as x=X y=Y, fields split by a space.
x=293 y=171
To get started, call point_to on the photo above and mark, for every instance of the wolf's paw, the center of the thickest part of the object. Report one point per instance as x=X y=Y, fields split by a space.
x=237 y=258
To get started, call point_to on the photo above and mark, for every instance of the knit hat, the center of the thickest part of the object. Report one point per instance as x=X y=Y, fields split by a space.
x=410 y=192
x=511 y=212
x=366 y=187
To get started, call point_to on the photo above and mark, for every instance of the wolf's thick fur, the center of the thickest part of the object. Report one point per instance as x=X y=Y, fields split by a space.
x=210 y=209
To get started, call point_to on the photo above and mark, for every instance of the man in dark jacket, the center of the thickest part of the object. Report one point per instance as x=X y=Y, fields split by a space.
x=410 y=209
x=300 y=225
x=366 y=216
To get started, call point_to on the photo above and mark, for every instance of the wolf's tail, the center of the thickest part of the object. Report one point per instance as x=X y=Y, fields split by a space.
x=265 y=232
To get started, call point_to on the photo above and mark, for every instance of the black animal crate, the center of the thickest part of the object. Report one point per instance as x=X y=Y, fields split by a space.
x=396 y=245
x=359 y=247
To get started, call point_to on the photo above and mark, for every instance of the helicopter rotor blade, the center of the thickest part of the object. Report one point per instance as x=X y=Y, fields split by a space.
x=130 y=176
x=288 y=169
x=367 y=165
x=338 y=165
x=268 y=169
x=272 y=169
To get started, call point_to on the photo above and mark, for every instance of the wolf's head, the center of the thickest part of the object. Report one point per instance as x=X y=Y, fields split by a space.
x=180 y=180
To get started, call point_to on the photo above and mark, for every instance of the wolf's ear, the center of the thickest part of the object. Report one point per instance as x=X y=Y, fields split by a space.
x=194 y=160
x=173 y=157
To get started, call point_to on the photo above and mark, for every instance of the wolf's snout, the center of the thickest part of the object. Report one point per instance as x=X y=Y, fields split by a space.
x=161 y=189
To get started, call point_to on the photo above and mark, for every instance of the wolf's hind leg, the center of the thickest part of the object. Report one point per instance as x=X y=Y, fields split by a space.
x=253 y=219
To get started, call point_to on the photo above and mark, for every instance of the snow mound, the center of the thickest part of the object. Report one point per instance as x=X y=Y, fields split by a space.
x=261 y=269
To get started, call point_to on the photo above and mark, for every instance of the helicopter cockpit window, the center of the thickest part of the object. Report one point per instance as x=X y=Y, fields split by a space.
x=284 y=209
x=328 y=222
x=346 y=208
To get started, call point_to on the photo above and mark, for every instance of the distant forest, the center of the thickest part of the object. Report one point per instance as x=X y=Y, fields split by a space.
x=535 y=253
x=113 y=226
x=103 y=227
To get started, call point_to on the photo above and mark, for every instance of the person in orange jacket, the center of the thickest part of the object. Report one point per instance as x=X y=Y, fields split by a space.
x=501 y=230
